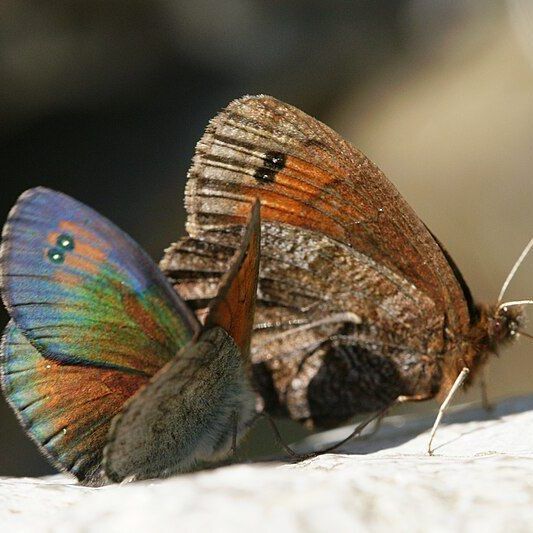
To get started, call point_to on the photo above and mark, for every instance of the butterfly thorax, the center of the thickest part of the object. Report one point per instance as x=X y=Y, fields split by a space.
x=495 y=327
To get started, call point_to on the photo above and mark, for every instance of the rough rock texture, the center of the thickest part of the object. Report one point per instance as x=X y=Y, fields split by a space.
x=481 y=479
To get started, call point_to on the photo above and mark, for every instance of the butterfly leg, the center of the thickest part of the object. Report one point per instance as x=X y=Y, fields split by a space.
x=485 y=402
x=235 y=424
x=457 y=384
x=279 y=438
x=377 y=416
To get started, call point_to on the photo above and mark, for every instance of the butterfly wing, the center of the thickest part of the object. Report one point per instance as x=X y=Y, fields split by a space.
x=92 y=320
x=185 y=415
x=193 y=409
x=66 y=409
x=83 y=292
x=308 y=177
x=233 y=308
x=336 y=237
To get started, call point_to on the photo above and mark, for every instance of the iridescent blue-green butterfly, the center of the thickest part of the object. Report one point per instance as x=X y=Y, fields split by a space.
x=109 y=372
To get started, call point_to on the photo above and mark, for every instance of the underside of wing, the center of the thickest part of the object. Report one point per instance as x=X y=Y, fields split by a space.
x=234 y=305
x=313 y=360
x=191 y=411
x=306 y=176
x=356 y=299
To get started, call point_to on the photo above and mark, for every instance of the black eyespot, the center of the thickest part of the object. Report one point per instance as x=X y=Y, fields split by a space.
x=65 y=241
x=275 y=160
x=56 y=255
x=265 y=174
x=273 y=163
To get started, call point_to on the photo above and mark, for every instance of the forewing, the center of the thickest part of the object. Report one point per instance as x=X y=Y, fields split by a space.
x=83 y=292
x=234 y=306
x=308 y=177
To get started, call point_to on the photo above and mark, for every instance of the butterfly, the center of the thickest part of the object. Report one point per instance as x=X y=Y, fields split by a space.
x=358 y=305
x=106 y=367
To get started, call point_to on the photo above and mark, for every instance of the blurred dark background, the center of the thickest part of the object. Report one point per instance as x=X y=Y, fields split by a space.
x=106 y=100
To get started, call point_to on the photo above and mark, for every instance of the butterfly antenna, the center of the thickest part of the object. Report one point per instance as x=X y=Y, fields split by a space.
x=523 y=333
x=511 y=274
x=514 y=303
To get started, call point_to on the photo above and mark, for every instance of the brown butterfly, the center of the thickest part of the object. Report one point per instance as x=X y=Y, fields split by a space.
x=358 y=305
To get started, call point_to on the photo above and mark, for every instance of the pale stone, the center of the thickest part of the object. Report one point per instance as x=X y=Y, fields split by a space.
x=480 y=479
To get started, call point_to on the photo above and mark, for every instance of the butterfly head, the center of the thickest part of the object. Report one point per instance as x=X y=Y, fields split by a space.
x=506 y=319
x=505 y=322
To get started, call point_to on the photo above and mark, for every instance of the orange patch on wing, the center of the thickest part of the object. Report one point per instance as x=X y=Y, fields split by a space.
x=82 y=249
x=143 y=319
x=233 y=308
x=80 y=263
x=78 y=231
x=279 y=208
x=52 y=238
x=63 y=383
x=86 y=250
x=316 y=176
x=67 y=278
x=304 y=196
x=82 y=395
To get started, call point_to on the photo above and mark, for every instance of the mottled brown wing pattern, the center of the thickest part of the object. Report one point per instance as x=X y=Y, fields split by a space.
x=292 y=337
x=307 y=176
x=337 y=238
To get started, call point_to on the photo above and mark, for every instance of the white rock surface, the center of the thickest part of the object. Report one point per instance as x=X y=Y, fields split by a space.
x=481 y=479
